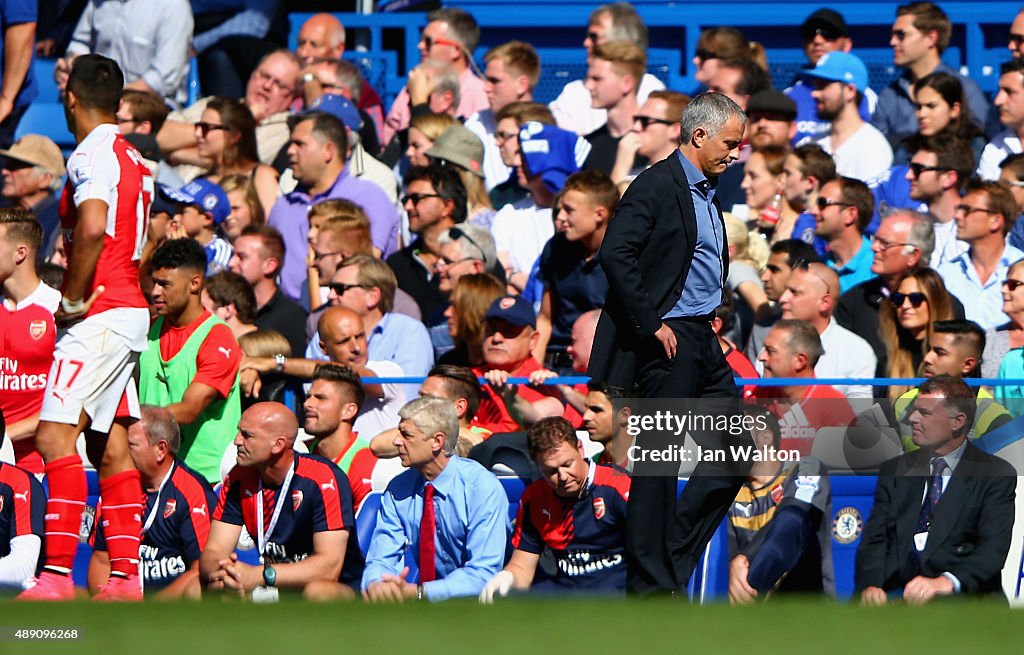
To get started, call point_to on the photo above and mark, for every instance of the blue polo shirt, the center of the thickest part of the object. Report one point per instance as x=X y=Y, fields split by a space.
x=577 y=285
x=702 y=289
x=17 y=12
x=855 y=271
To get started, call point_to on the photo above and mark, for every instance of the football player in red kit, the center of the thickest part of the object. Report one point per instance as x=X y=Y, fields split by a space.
x=104 y=209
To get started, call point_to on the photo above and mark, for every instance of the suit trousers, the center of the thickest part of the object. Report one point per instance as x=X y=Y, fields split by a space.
x=666 y=534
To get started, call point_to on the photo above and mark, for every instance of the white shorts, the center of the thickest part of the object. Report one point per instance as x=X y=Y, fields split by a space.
x=92 y=370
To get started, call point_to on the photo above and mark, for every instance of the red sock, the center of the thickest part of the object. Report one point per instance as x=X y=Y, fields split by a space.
x=122 y=520
x=68 y=492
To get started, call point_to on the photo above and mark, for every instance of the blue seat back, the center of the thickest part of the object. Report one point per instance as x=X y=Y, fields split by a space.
x=852 y=499
x=366 y=519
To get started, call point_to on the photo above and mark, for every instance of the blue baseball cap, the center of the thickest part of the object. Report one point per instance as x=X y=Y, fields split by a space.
x=167 y=200
x=209 y=197
x=843 y=67
x=341 y=108
x=551 y=153
x=514 y=310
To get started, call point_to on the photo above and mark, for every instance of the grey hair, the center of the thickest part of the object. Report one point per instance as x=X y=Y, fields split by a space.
x=710 y=111
x=159 y=425
x=802 y=338
x=432 y=415
x=626 y=23
x=445 y=78
x=922 y=232
x=480 y=236
x=56 y=181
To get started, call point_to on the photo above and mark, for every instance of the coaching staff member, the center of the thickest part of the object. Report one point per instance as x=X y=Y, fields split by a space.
x=666 y=257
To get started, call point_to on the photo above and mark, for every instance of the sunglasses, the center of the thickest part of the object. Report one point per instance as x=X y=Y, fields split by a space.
x=456 y=233
x=501 y=137
x=1016 y=39
x=916 y=169
x=884 y=245
x=899 y=35
x=967 y=209
x=823 y=32
x=429 y=42
x=205 y=128
x=594 y=37
x=916 y=299
x=705 y=55
x=317 y=256
x=416 y=198
x=645 y=121
x=825 y=203
x=1012 y=284
x=340 y=289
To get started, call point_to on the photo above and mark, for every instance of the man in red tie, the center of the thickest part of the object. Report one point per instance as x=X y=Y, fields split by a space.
x=442 y=524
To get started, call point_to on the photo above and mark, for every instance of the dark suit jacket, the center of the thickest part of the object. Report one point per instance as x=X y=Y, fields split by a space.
x=646 y=254
x=970 y=529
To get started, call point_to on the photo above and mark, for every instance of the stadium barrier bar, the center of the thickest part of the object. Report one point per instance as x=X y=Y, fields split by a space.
x=752 y=382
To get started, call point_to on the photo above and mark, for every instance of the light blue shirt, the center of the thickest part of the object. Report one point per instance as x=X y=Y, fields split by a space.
x=983 y=302
x=702 y=289
x=470 y=510
x=1011 y=368
x=855 y=271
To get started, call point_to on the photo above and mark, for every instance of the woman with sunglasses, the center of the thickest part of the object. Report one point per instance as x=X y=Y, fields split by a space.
x=905 y=322
x=764 y=182
x=226 y=138
x=472 y=295
x=1006 y=341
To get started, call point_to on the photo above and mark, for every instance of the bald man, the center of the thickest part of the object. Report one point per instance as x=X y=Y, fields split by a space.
x=322 y=38
x=811 y=295
x=343 y=339
x=308 y=535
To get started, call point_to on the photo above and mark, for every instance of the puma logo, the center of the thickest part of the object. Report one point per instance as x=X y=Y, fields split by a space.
x=329 y=485
x=226 y=351
x=21 y=496
x=744 y=508
x=200 y=510
x=546 y=513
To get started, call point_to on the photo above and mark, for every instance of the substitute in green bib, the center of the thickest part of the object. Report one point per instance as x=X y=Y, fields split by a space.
x=191 y=365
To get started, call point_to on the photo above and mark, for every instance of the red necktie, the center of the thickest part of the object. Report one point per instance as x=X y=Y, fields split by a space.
x=428 y=570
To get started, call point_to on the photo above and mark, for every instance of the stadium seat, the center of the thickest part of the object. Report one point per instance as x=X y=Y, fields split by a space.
x=48 y=119
x=48 y=91
x=852 y=499
x=514 y=488
x=366 y=519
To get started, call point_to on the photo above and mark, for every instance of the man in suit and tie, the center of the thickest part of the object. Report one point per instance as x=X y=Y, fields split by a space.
x=666 y=258
x=943 y=514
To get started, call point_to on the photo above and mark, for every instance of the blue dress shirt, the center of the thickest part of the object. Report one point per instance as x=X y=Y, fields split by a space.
x=470 y=510
x=702 y=289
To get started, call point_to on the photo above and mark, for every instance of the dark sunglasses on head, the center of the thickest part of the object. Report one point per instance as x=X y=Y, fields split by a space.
x=916 y=298
x=205 y=128
x=456 y=233
x=645 y=121
x=916 y=169
x=1012 y=284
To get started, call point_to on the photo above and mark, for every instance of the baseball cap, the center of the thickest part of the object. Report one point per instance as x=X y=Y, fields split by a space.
x=829 y=23
x=461 y=147
x=772 y=103
x=37 y=150
x=167 y=200
x=840 y=66
x=514 y=310
x=341 y=108
x=209 y=197
x=551 y=152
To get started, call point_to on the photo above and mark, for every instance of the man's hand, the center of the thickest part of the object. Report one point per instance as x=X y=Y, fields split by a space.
x=873 y=597
x=420 y=86
x=500 y=584
x=740 y=591
x=625 y=155
x=391 y=588
x=64 y=319
x=241 y=578
x=920 y=590
x=250 y=383
x=667 y=338
x=61 y=71
x=45 y=47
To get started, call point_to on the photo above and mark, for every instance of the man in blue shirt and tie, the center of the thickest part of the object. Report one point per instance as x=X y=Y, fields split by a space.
x=441 y=528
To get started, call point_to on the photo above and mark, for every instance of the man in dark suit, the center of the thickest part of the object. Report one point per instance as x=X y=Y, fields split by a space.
x=943 y=514
x=666 y=257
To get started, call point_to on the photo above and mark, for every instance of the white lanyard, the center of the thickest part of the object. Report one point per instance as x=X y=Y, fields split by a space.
x=156 y=502
x=260 y=534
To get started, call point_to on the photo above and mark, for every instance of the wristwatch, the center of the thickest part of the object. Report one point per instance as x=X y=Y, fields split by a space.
x=279 y=360
x=308 y=77
x=269 y=575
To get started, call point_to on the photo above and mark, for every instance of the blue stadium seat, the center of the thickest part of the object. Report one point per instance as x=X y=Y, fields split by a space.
x=48 y=119
x=514 y=488
x=852 y=499
x=48 y=91
x=366 y=519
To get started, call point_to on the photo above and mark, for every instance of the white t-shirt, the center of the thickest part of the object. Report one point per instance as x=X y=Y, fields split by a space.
x=573 y=108
x=521 y=230
x=846 y=356
x=947 y=246
x=1005 y=144
x=379 y=414
x=865 y=156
